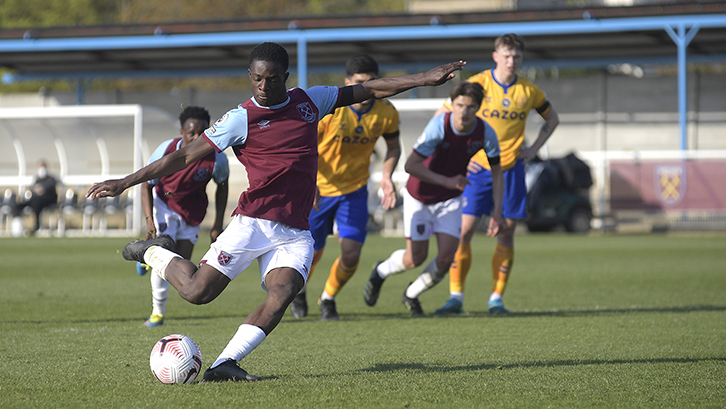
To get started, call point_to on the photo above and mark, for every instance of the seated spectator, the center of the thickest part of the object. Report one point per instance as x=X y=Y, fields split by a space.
x=41 y=195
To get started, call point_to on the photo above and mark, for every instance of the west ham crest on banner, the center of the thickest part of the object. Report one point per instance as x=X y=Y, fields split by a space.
x=670 y=183
x=306 y=111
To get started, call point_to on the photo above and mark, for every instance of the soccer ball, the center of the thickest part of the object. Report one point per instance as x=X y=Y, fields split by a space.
x=175 y=359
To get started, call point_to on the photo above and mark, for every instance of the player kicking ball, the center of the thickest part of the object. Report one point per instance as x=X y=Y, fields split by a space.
x=432 y=202
x=274 y=135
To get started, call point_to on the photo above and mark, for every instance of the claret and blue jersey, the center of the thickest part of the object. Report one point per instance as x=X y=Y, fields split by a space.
x=278 y=147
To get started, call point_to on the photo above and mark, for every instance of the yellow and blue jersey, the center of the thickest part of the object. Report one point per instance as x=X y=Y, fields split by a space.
x=346 y=139
x=505 y=108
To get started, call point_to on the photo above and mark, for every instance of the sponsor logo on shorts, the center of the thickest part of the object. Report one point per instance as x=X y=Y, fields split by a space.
x=224 y=258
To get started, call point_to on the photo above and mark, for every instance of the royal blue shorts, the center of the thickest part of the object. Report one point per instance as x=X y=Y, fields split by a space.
x=349 y=212
x=478 y=198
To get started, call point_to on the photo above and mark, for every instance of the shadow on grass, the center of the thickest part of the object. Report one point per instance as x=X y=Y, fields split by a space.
x=288 y=319
x=527 y=314
x=405 y=366
x=598 y=311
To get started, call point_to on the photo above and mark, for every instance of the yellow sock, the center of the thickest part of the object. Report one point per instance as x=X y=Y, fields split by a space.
x=339 y=275
x=501 y=267
x=460 y=268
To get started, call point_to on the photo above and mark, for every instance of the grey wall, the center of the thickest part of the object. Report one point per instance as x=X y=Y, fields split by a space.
x=641 y=113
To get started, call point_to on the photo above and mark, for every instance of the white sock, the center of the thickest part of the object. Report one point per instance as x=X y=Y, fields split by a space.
x=158 y=258
x=429 y=277
x=495 y=296
x=326 y=296
x=392 y=265
x=159 y=294
x=457 y=296
x=247 y=338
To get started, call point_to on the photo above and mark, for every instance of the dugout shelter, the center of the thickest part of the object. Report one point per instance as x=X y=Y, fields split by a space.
x=81 y=145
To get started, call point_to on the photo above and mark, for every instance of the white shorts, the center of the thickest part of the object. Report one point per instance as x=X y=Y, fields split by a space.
x=272 y=244
x=420 y=220
x=170 y=222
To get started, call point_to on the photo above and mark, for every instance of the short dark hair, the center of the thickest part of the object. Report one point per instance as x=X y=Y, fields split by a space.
x=270 y=52
x=468 y=89
x=512 y=41
x=193 y=113
x=361 y=64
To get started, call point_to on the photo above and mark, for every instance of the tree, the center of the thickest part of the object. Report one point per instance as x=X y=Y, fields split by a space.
x=59 y=13
x=47 y=13
x=198 y=10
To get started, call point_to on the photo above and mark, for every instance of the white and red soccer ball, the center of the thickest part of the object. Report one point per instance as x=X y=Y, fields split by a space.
x=176 y=358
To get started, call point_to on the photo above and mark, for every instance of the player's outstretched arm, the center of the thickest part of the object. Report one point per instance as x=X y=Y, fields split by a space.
x=386 y=87
x=167 y=165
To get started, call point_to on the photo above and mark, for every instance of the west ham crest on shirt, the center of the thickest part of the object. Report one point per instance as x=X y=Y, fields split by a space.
x=306 y=112
x=474 y=147
x=201 y=175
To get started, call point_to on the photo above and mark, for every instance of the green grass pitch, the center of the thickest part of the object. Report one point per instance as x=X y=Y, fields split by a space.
x=598 y=321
